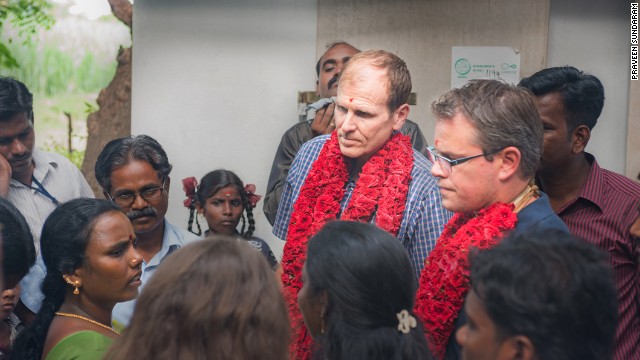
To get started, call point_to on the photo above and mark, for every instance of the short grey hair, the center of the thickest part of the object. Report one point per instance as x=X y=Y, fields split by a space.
x=120 y=152
x=503 y=115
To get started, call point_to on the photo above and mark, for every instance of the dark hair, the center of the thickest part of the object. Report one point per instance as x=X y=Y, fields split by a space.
x=65 y=235
x=211 y=184
x=120 y=152
x=15 y=98
x=210 y=300
x=329 y=47
x=554 y=289
x=582 y=94
x=504 y=115
x=18 y=251
x=368 y=278
x=398 y=76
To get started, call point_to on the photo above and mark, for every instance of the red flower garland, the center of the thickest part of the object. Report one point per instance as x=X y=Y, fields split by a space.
x=444 y=281
x=381 y=188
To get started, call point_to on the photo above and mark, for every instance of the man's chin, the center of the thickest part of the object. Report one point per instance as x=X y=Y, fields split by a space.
x=145 y=224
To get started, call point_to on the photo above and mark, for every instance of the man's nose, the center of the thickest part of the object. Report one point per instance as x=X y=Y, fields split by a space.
x=18 y=147
x=139 y=202
x=437 y=170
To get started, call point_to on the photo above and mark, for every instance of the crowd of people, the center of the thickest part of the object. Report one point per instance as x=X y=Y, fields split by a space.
x=504 y=239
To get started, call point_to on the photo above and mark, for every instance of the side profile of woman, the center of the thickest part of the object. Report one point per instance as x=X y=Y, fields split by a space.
x=209 y=300
x=88 y=250
x=358 y=294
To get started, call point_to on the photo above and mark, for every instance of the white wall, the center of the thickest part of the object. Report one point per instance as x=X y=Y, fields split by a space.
x=215 y=82
x=593 y=36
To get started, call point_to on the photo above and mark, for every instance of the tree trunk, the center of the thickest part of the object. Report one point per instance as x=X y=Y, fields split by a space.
x=113 y=118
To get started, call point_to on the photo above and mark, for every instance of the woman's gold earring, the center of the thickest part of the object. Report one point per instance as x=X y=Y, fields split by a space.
x=76 y=291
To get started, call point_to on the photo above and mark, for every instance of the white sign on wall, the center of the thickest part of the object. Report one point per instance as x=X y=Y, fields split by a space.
x=484 y=62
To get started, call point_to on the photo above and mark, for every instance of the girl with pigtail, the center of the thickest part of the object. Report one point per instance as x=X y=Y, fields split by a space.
x=224 y=201
x=87 y=246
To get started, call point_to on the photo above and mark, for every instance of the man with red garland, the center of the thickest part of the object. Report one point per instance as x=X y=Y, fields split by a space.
x=319 y=122
x=597 y=205
x=488 y=141
x=364 y=171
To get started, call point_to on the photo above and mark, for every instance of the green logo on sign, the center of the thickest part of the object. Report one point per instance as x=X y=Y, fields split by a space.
x=463 y=66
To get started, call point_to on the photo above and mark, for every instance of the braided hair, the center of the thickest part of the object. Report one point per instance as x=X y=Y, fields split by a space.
x=65 y=235
x=210 y=184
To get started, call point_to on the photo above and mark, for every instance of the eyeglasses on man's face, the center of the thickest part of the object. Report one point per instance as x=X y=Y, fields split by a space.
x=148 y=195
x=446 y=164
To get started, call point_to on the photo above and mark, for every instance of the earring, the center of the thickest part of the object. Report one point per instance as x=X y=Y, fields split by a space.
x=322 y=327
x=76 y=291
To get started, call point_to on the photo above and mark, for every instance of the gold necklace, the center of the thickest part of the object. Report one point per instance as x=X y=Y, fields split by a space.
x=87 y=319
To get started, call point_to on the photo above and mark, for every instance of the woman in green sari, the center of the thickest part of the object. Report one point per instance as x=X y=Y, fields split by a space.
x=88 y=250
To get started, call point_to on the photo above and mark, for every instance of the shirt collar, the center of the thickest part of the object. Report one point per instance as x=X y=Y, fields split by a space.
x=592 y=188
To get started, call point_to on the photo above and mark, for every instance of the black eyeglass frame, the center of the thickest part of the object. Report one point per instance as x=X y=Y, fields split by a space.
x=147 y=195
x=451 y=163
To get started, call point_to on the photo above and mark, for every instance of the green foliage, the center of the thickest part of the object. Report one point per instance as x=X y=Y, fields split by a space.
x=27 y=16
x=51 y=72
x=75 y=156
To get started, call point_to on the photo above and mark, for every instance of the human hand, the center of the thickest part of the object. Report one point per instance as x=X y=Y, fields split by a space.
x=5 y=176
x=324 y=123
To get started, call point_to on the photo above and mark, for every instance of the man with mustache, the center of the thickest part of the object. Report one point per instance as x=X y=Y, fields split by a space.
x=134 y=173
x=328 y=70
x=34 y=181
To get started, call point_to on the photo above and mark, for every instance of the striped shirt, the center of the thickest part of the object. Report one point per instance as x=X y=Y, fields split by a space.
x=64 y=182
x=59 y=177
x=423 y=219
x=603 y=213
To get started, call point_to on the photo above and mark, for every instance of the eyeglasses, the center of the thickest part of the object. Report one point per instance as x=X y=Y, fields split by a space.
x=126 y=200
x=446 y=164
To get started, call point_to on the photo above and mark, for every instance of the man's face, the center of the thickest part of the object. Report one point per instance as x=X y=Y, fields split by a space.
x=17 y=139
x=362 y=115
x=479 y=337
x=134 y=178
x=471 y=185
x=331 y=65
x=557 y=150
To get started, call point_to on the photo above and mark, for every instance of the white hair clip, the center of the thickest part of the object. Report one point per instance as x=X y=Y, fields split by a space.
x=406 y=322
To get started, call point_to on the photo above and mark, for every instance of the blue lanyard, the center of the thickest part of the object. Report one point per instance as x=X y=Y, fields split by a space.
x=40 y=189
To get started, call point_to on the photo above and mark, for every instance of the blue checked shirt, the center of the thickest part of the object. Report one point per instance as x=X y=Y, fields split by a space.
x=423 y=219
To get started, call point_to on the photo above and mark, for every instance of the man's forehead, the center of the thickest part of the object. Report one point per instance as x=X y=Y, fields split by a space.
x=337 y=52
x=135 y=171
x=16 y=123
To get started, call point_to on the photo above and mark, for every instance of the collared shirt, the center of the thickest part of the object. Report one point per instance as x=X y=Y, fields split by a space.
x=173 y=239
x=423 y=219
x=606 y=207
x=291 y=142
x=62 y=180
x=59 y=177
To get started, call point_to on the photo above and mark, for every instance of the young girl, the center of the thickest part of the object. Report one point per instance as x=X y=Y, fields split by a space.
x=223 y=200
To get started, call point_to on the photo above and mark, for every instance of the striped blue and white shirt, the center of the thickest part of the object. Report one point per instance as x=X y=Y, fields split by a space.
x=423 y=219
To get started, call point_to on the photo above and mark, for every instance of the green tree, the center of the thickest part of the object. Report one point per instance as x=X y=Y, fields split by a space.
x=26 y=16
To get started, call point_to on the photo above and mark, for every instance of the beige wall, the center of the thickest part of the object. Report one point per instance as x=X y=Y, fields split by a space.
x=423 y=32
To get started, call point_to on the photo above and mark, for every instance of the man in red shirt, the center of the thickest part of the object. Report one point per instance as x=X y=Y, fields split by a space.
x=597 y=205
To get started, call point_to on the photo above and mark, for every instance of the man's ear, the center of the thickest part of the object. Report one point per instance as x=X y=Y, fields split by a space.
x=324 y=304
x=510 y=158
x=580 y=138
x=400 y=115
x=167 y=183
x=518 y=347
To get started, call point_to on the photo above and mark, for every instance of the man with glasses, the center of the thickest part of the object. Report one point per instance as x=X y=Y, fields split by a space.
x=488 y=141
x=597 y=205
x=134 y=173
x=34 y=181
